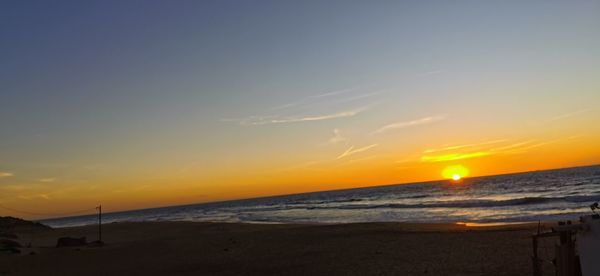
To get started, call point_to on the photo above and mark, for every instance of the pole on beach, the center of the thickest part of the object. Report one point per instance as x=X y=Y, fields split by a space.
x=99 y=222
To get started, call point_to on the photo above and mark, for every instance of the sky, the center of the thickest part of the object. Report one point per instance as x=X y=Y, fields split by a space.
x=137 y=104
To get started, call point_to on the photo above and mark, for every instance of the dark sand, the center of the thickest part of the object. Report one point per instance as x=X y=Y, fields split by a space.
x=187 y=248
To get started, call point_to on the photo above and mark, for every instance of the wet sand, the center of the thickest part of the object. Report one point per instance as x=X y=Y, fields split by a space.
x=188 y=248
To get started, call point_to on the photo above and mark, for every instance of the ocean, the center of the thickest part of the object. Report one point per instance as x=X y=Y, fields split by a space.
x=540 y=195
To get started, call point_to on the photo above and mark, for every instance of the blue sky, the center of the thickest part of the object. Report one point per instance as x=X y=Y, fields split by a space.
x=140 y=91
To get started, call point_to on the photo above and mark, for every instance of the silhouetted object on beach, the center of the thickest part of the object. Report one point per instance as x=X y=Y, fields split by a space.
x=70 y=242
x=9 y=224
x=577 y=248
x=11 y=246
x=99 y=208
x=566 y=261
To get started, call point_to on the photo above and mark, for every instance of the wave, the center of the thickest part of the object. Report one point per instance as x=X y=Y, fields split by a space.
x=470 y=203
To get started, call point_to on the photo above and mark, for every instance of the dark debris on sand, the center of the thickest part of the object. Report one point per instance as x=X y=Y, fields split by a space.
x=9 y=224
x=9 y=241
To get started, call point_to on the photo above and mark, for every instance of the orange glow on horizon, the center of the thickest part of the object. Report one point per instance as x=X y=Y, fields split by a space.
x=289 y=174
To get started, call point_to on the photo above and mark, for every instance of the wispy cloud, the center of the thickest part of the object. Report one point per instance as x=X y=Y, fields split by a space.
x=468 y=151
x=463 y=146
x=34 y=196
x=310 y=99
x=405 y=124
x=350 y=161
x=264 y=120
x=525 y=146
x=483 y=149
x=512 y=146
x=287 y=105
x=453 y=156
x=5 y=174
x=47 y=180
x=333 y=93
x=318 y=107
x=352 y=151
x=337 y=137
x=360 y=96
x=568 y=115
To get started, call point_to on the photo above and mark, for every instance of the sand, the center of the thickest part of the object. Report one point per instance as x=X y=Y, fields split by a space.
x=192 y=248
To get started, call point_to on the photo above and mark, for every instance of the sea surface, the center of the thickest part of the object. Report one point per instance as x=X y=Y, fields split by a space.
x=532 y=196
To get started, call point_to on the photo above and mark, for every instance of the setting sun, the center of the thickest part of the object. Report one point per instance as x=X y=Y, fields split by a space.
x=455 y=172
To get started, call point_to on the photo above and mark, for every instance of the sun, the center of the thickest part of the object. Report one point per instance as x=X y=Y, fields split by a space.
x=455 y=172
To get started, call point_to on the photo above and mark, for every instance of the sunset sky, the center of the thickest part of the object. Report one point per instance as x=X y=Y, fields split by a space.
x=136 y=104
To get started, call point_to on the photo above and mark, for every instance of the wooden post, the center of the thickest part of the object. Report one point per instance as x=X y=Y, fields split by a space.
x=100 y=222
x=566 y=260
x=537 y=271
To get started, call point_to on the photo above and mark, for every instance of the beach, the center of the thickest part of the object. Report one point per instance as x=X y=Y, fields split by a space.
x=200 y=248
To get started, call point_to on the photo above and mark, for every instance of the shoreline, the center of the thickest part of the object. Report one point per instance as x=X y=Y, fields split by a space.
x=464 y=223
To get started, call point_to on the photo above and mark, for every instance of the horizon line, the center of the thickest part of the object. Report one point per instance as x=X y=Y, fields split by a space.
x=317 y=191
